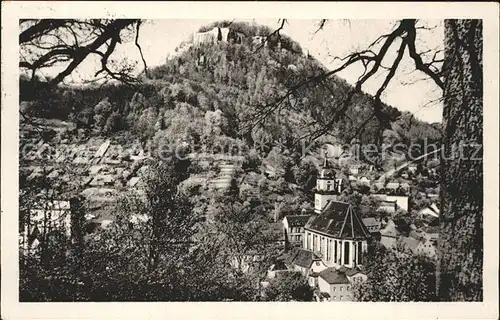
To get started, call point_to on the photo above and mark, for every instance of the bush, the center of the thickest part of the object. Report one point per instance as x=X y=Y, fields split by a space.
x=289 y=286
x=251 y=161
x=397 y=275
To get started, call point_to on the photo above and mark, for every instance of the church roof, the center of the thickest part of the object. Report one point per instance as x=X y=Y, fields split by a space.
x=338 y=220
x=327 y=173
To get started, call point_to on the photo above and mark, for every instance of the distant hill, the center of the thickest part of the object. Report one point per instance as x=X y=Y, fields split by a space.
x=211 y=90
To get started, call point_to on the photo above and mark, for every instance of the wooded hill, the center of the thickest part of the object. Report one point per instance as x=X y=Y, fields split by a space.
x=215 y=93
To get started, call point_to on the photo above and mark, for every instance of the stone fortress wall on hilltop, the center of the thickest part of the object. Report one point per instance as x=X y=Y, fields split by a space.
x=217 y=34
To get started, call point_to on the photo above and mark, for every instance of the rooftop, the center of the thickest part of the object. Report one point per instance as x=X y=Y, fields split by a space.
x=334 y=276
x=402 y=225
x=353 y=271
x=302 y=258
x=410 y=243
x=339 y=220
x=278 y=265
x=297 y=220
x=370 y=222
x=390 y=230
x=428 y=211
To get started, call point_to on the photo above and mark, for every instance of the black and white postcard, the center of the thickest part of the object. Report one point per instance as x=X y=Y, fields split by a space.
x=283 y=160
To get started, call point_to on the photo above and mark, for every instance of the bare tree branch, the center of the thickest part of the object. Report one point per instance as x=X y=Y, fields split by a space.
x=271 y=35
x=38 y=29
x=419 y=64
x=47 y=42
x=138 y=25
x=392 y=71
x=321 y=25
x=112 y=32
x=405 y=30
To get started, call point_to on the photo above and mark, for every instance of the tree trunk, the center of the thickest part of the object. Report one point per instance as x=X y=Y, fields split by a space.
x=460 y=263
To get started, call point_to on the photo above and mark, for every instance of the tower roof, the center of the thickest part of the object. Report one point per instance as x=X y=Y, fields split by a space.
x=325 y=164
x=338 y=220
x=327 y=170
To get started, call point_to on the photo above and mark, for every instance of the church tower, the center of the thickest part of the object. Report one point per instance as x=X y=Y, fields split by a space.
x=328 y=187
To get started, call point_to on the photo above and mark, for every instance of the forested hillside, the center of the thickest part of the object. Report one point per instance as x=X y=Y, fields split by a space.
x=211 y=96
x=176 y=100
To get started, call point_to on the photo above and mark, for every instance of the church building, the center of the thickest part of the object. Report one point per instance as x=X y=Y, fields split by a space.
x=334 y=242
x=336 y=233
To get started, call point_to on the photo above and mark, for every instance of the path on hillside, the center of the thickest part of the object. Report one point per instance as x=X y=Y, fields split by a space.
x=223 y=179
x=392 y=171
x=228 y=165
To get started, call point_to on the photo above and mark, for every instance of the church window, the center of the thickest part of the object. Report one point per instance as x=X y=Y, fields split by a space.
x=335 y=251
x=346 y=252
x=360 y=253
x=328 y=244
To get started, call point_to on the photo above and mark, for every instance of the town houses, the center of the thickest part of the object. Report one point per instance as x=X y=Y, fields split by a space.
x=327 y=241
x=334 y=241
x=329 y=244
x=294 y=227
x=394 y=194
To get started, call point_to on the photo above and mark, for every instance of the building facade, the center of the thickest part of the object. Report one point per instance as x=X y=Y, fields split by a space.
x=335 y=284
x=336 y=233
x=293 y=226
x=426 y=248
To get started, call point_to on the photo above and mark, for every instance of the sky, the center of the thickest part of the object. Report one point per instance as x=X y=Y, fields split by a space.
x=408 y=91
